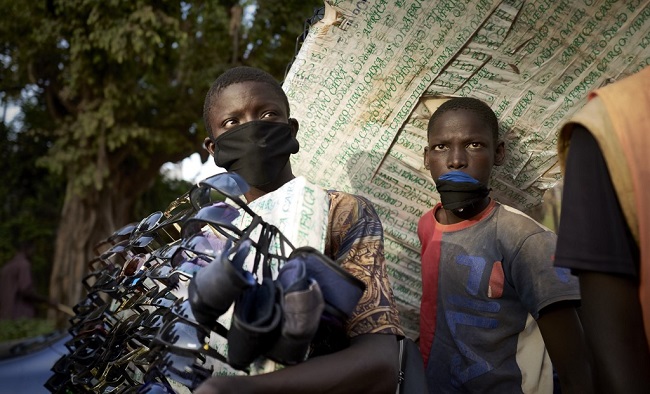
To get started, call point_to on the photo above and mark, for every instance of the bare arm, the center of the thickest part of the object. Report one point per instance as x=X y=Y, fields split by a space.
x=368 y=365
x=614 y=329
x=565 y=341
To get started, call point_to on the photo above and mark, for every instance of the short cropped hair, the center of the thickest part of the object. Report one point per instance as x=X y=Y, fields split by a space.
x=238 y=75
x=471 y=104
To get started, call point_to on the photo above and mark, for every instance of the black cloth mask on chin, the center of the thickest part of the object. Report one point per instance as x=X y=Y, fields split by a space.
x=459 y=191
x=256 y=150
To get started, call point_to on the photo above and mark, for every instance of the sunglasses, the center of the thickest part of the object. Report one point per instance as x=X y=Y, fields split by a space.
x=119 y=235
x=60 y=383
x=219 y=216
x=183 y=369
x=150 y=388
x=162 y=300
x=102 y=278
x=92 y=315
x=232 y=186
x=199 y=249
x=88 y=304
x=191 y=201
x=168 y=229
x=134 y=299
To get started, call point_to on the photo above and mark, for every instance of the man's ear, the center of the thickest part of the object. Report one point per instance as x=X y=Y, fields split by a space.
x=500 y=153
x=209 y=145
x=294 y=127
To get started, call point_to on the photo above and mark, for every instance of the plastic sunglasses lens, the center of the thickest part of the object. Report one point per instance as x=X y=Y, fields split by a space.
x=154 y=388
x=182 y=335
x=165 y=300
x=161 y=271
x=183 y=369
x=149 y=222
x=117 y=248
x=204 y=244
x=124 y=231
x=134 y=264
x=142 y=241
x=200 y=196
x=229 y=184
x=217 y=215
x=166 y=252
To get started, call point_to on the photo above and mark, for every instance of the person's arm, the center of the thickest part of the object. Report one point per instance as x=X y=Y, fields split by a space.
x=615 y=313
x=368 y=365
x=565 y=342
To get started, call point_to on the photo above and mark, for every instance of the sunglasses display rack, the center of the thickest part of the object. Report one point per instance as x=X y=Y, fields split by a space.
x=156 y=289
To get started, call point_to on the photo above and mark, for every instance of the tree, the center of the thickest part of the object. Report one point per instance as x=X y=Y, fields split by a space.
x=121 y=84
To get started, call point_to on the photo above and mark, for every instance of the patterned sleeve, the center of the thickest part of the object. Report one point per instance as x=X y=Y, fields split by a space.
x=355 y=240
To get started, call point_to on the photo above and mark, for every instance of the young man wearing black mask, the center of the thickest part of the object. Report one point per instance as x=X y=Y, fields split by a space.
x=246 y=113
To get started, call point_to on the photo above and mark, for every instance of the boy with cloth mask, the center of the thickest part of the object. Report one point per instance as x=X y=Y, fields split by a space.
x=246 y=113
x=492 y=303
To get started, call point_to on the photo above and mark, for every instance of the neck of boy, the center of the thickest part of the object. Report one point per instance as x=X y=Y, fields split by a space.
x=256 y=192
x=448 y=216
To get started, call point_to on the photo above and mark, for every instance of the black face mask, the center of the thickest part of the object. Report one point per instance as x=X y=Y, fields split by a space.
x=257 y=150
x=460 y=192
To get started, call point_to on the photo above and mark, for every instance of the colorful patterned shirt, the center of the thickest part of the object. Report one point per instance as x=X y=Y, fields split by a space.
x=355 y=240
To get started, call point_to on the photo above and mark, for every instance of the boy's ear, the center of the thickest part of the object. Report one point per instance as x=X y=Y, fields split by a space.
x=294 y=127
x=209 y=145
x=500 y=153
x=426 y=162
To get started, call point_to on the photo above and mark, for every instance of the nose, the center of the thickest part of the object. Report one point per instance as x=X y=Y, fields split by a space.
x=457 y=158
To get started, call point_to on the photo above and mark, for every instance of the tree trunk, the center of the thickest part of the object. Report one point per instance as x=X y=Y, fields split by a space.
x=236 y=14
x=85 y=220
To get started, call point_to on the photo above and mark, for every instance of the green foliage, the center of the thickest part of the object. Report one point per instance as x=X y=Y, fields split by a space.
x=24 y=328
x=110 y=91
x=126 y=79
x=32 y=200
x=276 y=27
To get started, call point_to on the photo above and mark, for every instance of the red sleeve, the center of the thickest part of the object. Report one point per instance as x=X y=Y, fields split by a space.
x=430 y=258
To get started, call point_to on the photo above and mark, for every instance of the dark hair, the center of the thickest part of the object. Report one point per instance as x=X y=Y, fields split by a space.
x=238 y=75
x=471 y=104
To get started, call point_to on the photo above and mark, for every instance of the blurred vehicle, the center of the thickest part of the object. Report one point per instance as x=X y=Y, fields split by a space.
x=25 y=364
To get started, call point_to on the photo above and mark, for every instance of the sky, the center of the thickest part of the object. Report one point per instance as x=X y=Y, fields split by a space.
x=191 y=169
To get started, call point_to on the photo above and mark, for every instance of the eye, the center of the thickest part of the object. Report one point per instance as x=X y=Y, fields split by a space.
x=230 y=122
x=438 y=147
x=474 y=145
x=269 y=114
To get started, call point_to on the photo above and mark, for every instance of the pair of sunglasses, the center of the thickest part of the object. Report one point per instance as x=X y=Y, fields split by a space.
x=152 y=387
x=184 y=369
x=119 y=235
x=216 y=188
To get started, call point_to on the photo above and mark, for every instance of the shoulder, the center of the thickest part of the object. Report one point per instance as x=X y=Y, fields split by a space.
x=512 y=220
x=342 y=203
x=338 y=197
x=514 y=228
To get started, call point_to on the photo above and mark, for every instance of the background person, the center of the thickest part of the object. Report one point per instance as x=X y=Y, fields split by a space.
x=604 y=235
x=17 y=294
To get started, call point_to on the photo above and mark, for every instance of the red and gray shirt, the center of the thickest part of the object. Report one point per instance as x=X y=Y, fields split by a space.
x=485 y=280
